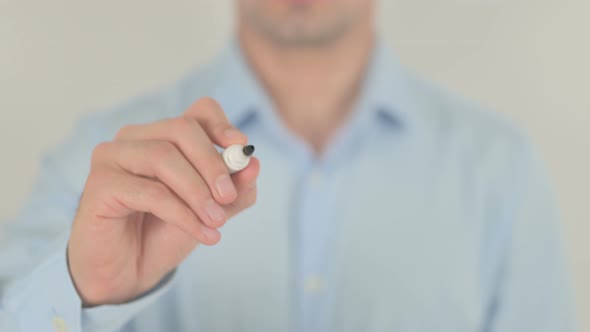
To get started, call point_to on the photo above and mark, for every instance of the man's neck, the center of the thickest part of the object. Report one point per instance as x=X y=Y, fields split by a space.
x=313 y=89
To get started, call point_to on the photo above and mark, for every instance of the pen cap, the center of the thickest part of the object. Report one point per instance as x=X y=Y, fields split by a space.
x=235 y=159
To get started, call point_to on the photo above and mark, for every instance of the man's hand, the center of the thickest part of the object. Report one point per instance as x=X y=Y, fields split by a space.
x=153 y=194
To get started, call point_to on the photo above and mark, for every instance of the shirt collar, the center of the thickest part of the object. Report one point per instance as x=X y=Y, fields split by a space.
x=237 y=88
x=385 y=92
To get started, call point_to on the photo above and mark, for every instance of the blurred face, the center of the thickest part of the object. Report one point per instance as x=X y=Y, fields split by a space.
x=304 y=23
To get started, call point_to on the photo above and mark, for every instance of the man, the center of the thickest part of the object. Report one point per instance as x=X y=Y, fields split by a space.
x=383 y=204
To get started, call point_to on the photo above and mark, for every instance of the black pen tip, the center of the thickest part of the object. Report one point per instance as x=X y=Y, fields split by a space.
x=248 y=150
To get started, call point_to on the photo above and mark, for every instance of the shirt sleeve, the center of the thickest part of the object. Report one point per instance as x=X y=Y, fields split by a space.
x=533 y=292
x=36 y=291
x=47 y=299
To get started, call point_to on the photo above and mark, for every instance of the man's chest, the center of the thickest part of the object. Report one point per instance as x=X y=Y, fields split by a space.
x=392 y=245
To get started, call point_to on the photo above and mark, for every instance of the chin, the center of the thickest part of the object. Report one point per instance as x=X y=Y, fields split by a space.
x=300 y=23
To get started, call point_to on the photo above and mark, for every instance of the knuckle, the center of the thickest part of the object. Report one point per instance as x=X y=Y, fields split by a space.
x=183 y=128
x=162 y=150
x=124 y=131
x=156 y=192
x=206 y=103
x=97 y=181
x=98 y=174
x=183 y=124
x=202 y=106
x=95 y=177
x=100 y=152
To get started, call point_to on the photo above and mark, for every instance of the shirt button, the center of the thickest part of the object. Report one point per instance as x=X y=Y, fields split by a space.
x=59 y=324
x=314 y=284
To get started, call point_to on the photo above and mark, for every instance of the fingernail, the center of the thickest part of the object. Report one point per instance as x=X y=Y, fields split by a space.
x=214 y=211
x=225 y=186
x=232 y=132
x=210 y=233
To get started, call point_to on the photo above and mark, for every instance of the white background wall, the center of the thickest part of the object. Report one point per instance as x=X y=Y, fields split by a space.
x=524 y=58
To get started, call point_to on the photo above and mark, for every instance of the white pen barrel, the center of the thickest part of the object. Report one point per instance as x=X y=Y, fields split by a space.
x=235 y=159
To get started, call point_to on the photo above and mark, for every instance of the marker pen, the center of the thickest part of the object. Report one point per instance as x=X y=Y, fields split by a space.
x=237 y=157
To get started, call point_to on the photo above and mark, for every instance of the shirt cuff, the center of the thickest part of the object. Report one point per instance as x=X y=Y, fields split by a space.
x=112 y=317
x=46 y=299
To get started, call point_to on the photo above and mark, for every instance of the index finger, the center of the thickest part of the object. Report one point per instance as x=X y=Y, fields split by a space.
x=213 y=120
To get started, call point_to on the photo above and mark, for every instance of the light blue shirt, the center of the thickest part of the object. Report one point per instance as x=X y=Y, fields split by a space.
x=425 y=213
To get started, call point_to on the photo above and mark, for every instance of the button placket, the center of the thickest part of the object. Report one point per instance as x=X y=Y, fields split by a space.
x=313 y=219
